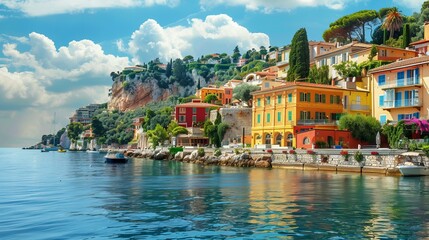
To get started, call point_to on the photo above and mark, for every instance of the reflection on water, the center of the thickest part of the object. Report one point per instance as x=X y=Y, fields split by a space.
x=76 y=195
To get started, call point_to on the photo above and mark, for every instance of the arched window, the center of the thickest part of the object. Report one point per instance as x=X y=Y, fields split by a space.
x=306 y=140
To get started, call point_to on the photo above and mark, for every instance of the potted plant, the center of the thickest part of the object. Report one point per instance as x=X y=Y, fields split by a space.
x=359 y=158
x=345 y=155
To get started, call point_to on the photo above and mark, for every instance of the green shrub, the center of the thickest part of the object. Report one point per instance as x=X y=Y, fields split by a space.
x=321 y=144
x=358 y=156
x=425 y=149
x=174 y=150
x=412 y=146
x=217 y=152
x=201 y=152
x=236 y=151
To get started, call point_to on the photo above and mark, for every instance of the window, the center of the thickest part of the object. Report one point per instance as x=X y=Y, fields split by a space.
x=289 y=115
x=383 y=119
x=320 y=98
x=304 y=97
x=194 y=110
x=194 y=119
x=381 y=100
x=182 y=110
x=182 y=119
x=289 y=97
x=268 y=117
x=279 y=99
x=333 y=60
x=267 y=84
x=320 y=115
x=383 y=53
x=306 y=140
x=335 y=99
x=344 y=57
x=279 y=116
x=304 y=115
x=381 y=80
x=268 y=100
x=259 y=118
x=259 y=102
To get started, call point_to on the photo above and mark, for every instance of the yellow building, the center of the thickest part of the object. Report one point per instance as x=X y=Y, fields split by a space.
x=400 y=90
x=280 y=112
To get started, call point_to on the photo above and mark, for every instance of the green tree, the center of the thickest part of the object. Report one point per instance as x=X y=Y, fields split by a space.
x=319 y=75
x=210 y=98
x=348 y=69
x=74 y=129
x=169 y=68
x=236 y=54
x=97 y=127
x=243 y=92
x=352 y=26
x=356 y=123
x=406 y=36
x=157 y=136
x=393 y=21
x=299 y=57
x=373 y=52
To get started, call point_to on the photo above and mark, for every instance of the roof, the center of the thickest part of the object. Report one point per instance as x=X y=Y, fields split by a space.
x=350 y=45
x=297 y=84
x=419 y=42
x=197 y=104
x=388 y=47
x=401 y=64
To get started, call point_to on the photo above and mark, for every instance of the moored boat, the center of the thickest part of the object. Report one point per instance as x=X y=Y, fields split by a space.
x=112 y=157
x=412 y=165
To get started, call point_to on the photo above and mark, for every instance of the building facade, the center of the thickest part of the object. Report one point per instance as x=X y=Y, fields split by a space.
x=192 y=113
x=400 y=91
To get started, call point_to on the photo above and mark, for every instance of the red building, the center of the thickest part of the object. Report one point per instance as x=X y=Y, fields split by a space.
x=187 y=114
x=333 y=138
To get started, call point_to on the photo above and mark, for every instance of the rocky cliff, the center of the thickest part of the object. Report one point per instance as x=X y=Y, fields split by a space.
x=138 y=95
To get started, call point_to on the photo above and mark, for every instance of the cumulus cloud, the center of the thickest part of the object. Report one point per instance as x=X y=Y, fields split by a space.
x=49 y=7
x=43 y=78
x=411 y=4
x=217 y=33
x=277 y=5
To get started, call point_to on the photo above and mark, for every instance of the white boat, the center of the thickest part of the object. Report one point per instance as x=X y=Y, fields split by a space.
x=112 y=157
x=411 y=164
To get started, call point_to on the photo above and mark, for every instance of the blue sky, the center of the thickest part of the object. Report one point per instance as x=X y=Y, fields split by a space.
x=56 y=55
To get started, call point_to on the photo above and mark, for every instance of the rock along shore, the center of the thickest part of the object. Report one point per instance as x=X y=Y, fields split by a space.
x=320 y=160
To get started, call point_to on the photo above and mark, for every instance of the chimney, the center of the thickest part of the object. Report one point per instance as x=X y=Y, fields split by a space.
x=426 y=31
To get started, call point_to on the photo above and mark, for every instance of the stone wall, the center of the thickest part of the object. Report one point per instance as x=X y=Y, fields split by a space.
x=237 y=119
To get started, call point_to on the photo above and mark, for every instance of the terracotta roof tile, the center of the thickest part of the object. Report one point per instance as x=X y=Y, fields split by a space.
x=401 y=64
x=197 y=104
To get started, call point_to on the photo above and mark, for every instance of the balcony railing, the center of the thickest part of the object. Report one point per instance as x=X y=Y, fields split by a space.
x=401 y=83
x=317 y=122
x=411 y=102
x=359 y=107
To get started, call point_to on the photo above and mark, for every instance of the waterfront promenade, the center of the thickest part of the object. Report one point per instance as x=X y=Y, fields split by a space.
x=375 y=161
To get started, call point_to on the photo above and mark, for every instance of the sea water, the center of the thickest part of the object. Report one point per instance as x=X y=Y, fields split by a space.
x=75 y=195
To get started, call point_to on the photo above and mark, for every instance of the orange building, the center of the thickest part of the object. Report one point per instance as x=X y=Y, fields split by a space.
x=224 y=94
x=340 y=138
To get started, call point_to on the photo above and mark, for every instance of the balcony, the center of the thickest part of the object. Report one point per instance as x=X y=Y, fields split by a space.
x=307 y=122
x=359 y=107
x=403 y=103
x=407 y=82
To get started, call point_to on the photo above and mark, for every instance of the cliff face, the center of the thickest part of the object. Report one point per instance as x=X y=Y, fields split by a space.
x=136 y=96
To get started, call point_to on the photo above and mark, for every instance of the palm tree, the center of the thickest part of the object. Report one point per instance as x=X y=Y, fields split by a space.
x=393 y=21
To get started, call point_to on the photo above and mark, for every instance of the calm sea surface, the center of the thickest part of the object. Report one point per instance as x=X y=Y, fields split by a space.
x=77 y=196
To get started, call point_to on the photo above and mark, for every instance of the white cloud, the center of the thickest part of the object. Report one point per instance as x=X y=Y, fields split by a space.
x=49 y=7
x=277 y=5
x=43 y=79
x=217 y=33
x=411 y=4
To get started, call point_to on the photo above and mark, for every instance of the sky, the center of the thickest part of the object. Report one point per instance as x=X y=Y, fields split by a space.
x=57 y=55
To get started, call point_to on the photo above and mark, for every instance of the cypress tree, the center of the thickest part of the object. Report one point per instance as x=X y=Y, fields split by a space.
x=406 y=37
x=299 y=57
